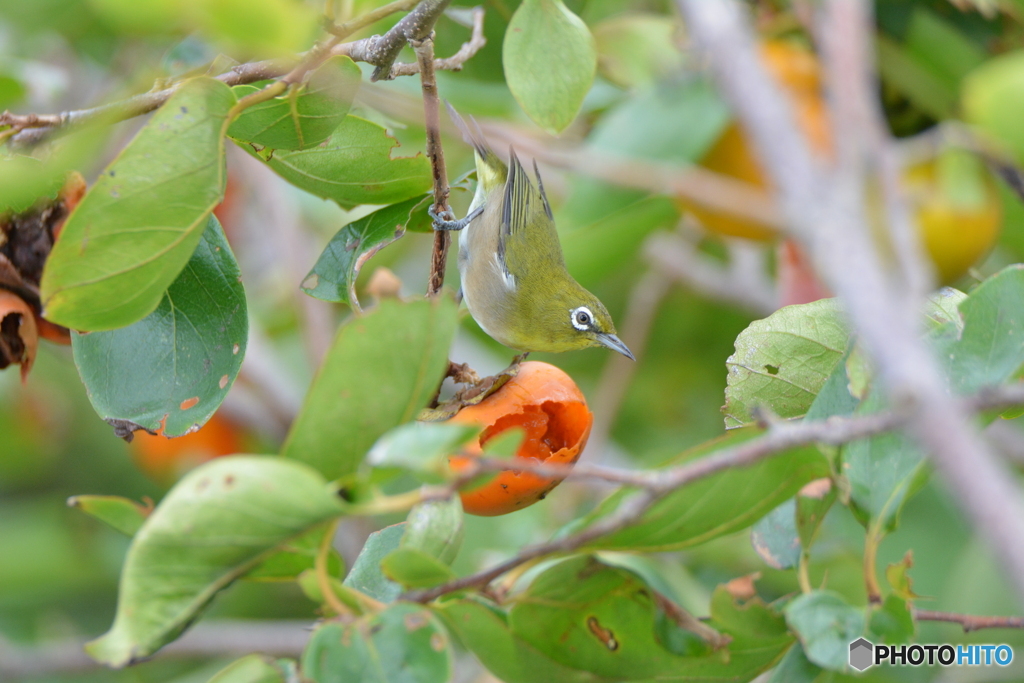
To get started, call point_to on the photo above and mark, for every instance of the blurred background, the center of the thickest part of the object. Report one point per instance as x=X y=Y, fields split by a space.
x=680 y=284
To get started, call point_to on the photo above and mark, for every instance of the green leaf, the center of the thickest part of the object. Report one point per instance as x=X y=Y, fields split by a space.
x=593 y=251
x=26 y=179
x=120 y=513
x=333 y=278
x=775 y=537
x=990 y=347
x=403 y=644
x=366 y=576
x=483 y=628
x=302 y=118
x=812 y=504
x=927 y=90
x=173 y=368
x=795 y=668
x=380 y=372
x=834 y=397
x=717 y=505
x=898 y=576
x=782 y=362
x=435 y=527
x=892 y=622
x=943 y=307
x=414 y=568
x=985 y=349
x=587 y=615
x=421 y=448
x=255 y=669
x=672 y=122
x=825 y=625
x=992 y=95
x=550 y=60
x=882 y=471
x=354 y=166
x=216 y=524
x=136 y=228
x=294 y=557
x=638 y=49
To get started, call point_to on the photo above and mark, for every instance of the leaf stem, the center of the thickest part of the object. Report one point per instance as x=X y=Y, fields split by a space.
x=323 y=577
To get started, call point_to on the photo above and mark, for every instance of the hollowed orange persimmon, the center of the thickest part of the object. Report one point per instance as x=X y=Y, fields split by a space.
x=544 y=402
x=165 y=460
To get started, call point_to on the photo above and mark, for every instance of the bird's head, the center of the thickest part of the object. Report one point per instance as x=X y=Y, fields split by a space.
x=582 y=320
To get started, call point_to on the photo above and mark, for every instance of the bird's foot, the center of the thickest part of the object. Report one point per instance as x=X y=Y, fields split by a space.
x=518 y=360
x=445 y=220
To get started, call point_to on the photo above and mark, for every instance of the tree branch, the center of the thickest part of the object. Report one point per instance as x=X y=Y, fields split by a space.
x=435 y=152
x=653 y=485
x=740 y=282
x=382 y=51
x=969 y=622
x=824 y=204
x=28 y=130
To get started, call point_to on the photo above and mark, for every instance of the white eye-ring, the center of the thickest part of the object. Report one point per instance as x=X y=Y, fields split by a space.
x=582 y=319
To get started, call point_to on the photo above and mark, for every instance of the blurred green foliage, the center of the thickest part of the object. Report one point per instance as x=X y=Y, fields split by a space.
x=59 y=569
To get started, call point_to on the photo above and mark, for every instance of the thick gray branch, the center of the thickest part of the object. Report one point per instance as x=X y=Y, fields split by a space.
x=382 y=51
x=824 y=205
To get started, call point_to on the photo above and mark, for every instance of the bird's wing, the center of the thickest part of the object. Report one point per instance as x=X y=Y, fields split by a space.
x=527 y=236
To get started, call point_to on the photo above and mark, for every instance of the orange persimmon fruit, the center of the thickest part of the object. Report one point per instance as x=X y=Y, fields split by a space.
x=164 y=460
x=544 y=402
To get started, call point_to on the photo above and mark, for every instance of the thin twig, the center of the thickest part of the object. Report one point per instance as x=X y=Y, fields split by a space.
x=435 y=152
x=969 y=622
x=382 y=51
x=345 y=29
x=741 y=282
x=693 y=183
x=216 y=638
x=454 y=63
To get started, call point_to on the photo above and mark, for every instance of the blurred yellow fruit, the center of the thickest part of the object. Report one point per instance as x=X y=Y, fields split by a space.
x=798 y=72
x=958 y=211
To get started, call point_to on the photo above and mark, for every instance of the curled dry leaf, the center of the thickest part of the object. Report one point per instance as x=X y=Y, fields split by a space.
x=19 y=337
x=742 y=587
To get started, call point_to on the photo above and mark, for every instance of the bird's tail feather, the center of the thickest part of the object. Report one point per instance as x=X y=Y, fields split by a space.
x=492 y=171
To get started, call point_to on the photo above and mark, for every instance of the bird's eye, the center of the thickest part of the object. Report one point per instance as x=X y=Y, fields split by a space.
x=582 y=318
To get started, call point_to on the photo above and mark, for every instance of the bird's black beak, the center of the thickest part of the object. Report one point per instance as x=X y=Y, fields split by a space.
x=614 y=343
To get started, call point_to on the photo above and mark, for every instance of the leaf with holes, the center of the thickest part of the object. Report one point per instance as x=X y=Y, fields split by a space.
x=782 y=362
x=354 y=166
x=138 y=225
x=216 y=524
x=333 y=278
x=173 y=368
x=382 y=369
x=303 y=118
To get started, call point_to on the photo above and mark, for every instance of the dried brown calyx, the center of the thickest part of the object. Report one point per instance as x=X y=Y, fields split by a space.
x=25 y=242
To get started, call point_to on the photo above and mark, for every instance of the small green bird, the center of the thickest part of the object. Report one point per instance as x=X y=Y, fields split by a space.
x=514 y=279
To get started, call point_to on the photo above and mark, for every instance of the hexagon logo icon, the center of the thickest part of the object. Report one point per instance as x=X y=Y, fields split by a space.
x=861 y=652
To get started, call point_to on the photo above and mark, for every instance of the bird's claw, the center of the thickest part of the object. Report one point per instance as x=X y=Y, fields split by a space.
x=445 y=220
